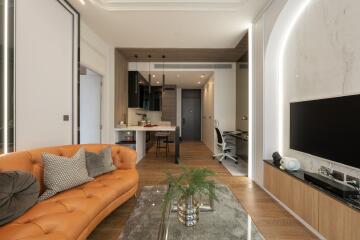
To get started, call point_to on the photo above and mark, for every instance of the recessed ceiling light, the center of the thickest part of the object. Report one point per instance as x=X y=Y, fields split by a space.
x=154 y=76
x=202 y=75
x=158 y=82
x=82 y=2
x=199 y=82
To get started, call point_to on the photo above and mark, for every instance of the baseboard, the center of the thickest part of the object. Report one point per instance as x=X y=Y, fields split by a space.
x=308 y=226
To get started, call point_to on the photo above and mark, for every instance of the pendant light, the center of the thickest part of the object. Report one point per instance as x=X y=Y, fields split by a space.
x=163 y=77
x=136 y=75
x=149 y=74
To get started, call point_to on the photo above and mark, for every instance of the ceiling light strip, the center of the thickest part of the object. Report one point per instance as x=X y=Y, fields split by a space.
x=169 y=5
x=6 y=77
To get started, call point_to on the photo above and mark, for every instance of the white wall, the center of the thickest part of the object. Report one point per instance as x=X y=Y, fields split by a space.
x=225 y=98
x=318 y=40
x=179 y=108
x=264 y=94
x=46 y=76
x=322 y=59
x=98 y=56
x=133 y=118
x=219 y=103
x=208 y=132
x=257 y=123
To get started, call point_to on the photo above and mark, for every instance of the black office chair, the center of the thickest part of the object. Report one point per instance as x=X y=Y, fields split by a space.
x=223 y=147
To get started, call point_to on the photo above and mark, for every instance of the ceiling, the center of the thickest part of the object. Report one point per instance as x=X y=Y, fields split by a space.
x=170 y=23
x=182 y=79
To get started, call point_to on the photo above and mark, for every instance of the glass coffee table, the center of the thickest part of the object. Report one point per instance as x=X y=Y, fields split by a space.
x=225 y=219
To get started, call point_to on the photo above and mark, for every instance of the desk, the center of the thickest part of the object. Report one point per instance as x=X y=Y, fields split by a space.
x=141 y=138
x=241 y=143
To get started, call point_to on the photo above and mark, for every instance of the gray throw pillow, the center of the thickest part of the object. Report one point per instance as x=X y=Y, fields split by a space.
x=62 y=173
x=19 y=191
x=99 y=163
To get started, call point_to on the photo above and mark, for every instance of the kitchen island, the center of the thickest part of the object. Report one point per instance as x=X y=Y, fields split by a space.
x=140 y=137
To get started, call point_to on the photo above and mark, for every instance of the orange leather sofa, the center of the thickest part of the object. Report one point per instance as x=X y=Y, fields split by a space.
x=72 y=214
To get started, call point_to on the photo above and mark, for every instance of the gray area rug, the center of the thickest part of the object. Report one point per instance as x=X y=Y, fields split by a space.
x=228 y=221
x=237 y=170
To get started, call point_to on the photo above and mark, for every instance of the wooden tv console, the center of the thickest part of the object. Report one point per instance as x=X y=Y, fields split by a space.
x=333 y=217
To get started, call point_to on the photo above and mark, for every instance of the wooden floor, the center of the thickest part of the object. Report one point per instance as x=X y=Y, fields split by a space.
x=270 y=218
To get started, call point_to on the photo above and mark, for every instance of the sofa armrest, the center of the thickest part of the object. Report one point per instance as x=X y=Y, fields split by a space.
x=124 y=157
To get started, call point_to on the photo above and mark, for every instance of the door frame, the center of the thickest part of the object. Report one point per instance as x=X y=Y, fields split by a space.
x=78 y=103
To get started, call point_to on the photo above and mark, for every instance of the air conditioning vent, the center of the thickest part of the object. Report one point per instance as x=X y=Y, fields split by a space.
x=193 y=66
x=243 y=65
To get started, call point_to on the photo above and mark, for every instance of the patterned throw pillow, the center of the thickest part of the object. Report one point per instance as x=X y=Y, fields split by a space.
x=61 y=173
x=99 y=163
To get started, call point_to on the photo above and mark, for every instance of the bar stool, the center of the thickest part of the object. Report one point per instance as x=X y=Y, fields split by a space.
x=162 y=137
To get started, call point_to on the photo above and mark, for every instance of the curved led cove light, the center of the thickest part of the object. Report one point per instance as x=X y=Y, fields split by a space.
x=285 y=39
x=169 y=5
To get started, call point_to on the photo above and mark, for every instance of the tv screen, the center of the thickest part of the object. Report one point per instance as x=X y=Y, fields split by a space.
x=327 y=128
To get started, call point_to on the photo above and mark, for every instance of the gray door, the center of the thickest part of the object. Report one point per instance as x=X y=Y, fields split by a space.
x=191 y=114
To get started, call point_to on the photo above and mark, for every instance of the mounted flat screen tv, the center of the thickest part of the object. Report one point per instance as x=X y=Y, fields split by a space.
x=327 y=128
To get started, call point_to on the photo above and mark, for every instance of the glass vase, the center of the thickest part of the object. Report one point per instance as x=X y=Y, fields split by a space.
x=188 y=210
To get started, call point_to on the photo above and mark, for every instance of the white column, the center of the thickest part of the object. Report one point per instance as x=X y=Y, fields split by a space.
x=140 y=145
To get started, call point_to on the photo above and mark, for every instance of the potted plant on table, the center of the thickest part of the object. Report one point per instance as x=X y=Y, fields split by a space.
x=187 y=189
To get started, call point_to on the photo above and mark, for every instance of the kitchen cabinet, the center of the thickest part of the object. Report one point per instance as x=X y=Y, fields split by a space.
x=155 y=98
x=169 y=104
x=137 y=90
x=140 y=95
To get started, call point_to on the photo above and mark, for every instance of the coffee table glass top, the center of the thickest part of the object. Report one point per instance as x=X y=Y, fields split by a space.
x=227 y=221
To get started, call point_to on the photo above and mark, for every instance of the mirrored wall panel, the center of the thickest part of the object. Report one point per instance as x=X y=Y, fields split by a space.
x=7 y=128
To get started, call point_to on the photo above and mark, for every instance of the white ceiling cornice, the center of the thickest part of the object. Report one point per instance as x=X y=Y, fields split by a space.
x=169 y=5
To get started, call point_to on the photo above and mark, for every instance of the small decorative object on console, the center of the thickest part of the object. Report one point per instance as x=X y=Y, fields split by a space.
x=122 y=124
x=276 y=158
x=290 y=164
x=186 y=189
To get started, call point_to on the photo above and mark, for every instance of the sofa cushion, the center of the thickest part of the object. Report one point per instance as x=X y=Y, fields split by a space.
x=99 y=163
x=61 y=173
x=65 y=215
x=74 y=213
x=19 y=191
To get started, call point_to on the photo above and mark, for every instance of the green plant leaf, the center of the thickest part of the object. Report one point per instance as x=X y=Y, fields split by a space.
x=190 y=182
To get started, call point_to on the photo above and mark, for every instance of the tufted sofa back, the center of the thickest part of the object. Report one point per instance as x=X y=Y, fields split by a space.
x=31 y=160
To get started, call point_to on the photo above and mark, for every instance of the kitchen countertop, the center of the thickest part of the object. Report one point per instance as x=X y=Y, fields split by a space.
x=147 y=129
